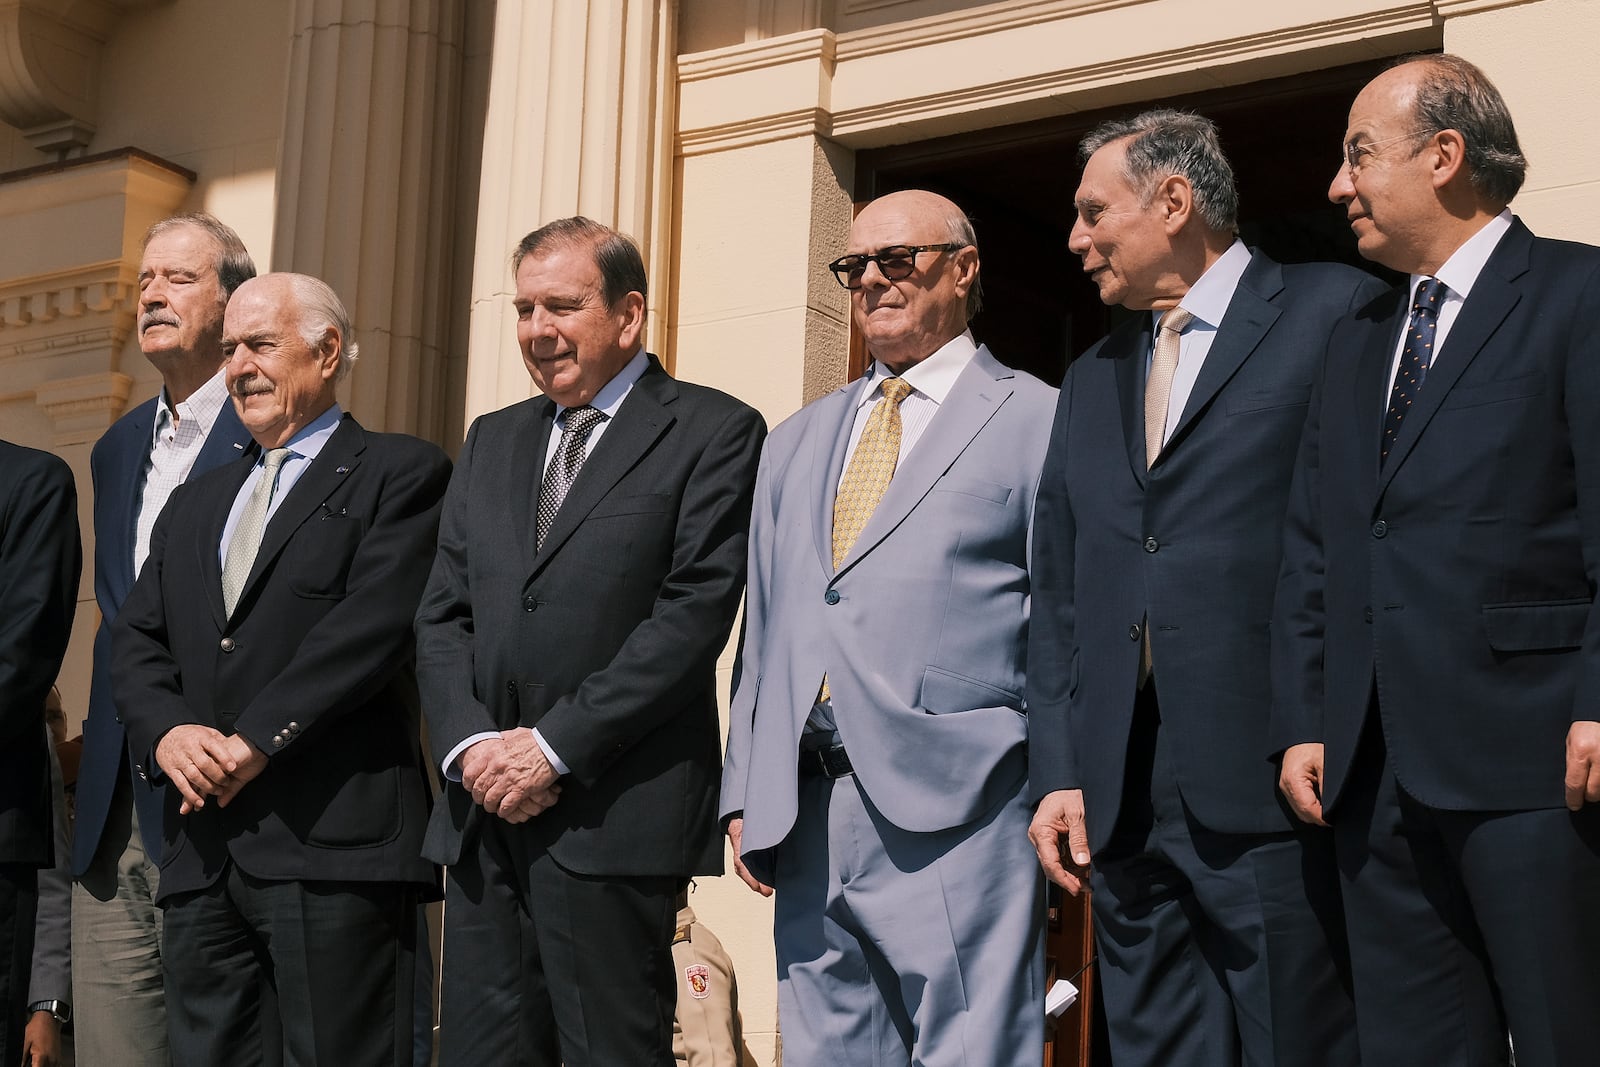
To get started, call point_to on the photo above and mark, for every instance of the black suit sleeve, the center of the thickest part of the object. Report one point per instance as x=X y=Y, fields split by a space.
x=40 y=561
x=693 y=613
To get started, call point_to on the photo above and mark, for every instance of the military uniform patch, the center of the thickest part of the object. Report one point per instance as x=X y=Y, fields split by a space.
x=699 y=978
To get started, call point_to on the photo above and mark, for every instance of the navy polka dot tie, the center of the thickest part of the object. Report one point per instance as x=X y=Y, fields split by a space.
x=1414 y=358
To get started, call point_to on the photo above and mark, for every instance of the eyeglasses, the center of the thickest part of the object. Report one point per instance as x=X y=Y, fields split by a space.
x=894 y=263
x=1356 y=151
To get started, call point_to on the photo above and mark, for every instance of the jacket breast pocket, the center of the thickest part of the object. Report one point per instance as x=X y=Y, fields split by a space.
x=1297 y=395
x=1496 y=392
x=975 y=487
x=1551 y=626
x=945 y=691
x=633 y=504
x=316 y=562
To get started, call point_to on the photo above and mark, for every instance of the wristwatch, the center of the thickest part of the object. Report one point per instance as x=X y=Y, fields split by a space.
x=59 y=1010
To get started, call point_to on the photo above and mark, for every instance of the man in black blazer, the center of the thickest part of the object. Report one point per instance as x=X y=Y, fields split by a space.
x=191 y=264
x=264 y=666
x=40 y=561
x=1155 y=559
x=591 y=559
x=1439 y=678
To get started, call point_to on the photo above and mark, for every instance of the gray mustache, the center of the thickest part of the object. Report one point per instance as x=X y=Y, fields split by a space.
x=249 y=386
x=156 y=318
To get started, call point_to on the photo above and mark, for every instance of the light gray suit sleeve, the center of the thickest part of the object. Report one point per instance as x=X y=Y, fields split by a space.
x=52 y=938
x=747 y=666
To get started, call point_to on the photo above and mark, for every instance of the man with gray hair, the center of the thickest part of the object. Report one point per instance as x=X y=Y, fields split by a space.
x=1159 y=521
x=265 y=668
x=190 y=266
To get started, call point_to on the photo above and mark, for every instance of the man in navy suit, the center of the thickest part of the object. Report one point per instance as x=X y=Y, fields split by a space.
x=1439 y=678
x=191 y=265
x=1155 y=560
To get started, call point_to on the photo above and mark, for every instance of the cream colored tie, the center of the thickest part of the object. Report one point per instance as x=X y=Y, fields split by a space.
x=867 y=478
x=247 y=532
x=1157 y=394
x=1158 y=391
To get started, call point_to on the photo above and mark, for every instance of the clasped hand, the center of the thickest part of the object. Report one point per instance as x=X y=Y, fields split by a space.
x=509 y=775
x=202 y=762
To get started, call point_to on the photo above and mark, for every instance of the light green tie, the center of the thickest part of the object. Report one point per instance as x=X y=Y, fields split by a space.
x=247 y=532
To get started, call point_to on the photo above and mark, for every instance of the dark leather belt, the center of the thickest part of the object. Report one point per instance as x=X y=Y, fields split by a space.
x=832 y=762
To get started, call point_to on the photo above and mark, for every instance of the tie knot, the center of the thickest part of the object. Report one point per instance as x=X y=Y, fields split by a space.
x=581 y=420
x=895 y=390
x=1430 y=294
x=1174 y=319
x=274 y=459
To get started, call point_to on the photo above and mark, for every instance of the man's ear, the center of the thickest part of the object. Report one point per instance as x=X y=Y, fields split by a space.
x=1174 y=198
x=1448 y=158
x=964 y=265
x=630 y=309
x=329 y=350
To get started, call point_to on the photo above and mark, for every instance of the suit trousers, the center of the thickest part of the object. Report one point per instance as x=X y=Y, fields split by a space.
x=118 y=1000
x=19 y=899
x=1465 y=924
x=544 y=967
x=1215 y=949
x=897 y=947
x=336 y=957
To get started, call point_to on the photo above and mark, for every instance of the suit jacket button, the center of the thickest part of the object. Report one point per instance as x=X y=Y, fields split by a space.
x=1366 y=613
x=511 y=689
x=294 y=728
x=1380 y=529
x=528 y=603
x=1151 y=544
x=1134 y=633
x=277 y=740
x=226 y=644
x=831 y=597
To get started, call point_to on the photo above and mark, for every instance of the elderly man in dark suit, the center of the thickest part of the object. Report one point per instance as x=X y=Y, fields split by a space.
x=1439 y=687
x=40 y=561
x=190 y=266
x=263 y=664
x=1155 y=561
x=591 y=559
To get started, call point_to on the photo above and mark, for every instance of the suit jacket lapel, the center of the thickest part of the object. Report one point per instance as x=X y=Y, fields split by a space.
x=834 y=419
x=1249 y=316
x=227 y=441
x=978 y=393
x=127 y=480
x=639 y=424
x=1129 y=347
x=338 y=458
x=211 y=522
x=1491 y=300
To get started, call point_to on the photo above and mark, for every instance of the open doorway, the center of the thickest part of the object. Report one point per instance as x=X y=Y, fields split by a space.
x=1016 y=182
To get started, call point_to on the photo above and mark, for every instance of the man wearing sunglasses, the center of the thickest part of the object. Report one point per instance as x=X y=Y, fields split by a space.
x=1160 y=518
x=875 y=773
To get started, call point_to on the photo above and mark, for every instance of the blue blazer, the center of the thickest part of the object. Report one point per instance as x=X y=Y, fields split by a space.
x=117 y=466
x=1192 y=545
x=1458 y=580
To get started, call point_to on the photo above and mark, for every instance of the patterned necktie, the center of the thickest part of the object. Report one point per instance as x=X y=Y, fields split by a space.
x=1414 y=358
x=871 y=466
x=865 y=480
x=1158 y=390
x=247 y=532
x=564 y=467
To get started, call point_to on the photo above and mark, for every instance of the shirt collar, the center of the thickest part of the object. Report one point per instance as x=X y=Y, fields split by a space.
x=1208 y=298
x=309 y=442
x=203 y=405
x=934 y=377
x=1460 y=272
x=614 y=392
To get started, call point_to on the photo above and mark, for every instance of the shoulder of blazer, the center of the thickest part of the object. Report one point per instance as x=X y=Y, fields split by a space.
x=126 y=440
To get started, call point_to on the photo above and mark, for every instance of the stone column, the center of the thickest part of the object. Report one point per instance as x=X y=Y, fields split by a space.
x=365 y=189
x=579 y=122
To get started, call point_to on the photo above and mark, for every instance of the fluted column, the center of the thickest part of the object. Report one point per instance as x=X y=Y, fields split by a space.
x=366 y=182
x=578 y=122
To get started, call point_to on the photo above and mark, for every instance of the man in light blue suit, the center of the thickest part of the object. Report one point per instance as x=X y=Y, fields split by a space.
x=876 y=771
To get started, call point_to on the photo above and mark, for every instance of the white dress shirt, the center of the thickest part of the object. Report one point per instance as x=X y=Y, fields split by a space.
x=930 y=381
x=179 y=434
x=1207 y=300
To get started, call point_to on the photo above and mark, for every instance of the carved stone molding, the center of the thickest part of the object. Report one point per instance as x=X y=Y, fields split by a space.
x=81 y=408
x=50 y=66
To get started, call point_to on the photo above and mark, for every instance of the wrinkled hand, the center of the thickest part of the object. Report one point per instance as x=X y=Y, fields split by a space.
x=197 y=759
x=41 y=1041
x=1583 y=764
x=509 y=776
x=735 y=836
x=1300 y=780
x=1060 y=814
x=248 y=763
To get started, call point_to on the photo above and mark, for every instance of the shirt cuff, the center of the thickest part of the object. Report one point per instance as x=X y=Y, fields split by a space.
x=451 y=771
x=550 y=754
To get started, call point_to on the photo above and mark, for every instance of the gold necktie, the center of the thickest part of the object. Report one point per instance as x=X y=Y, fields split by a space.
x=1157 y=393
x=865 y=480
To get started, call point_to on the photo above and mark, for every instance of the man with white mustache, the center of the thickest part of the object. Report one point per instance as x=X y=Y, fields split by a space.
x=190 y=267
